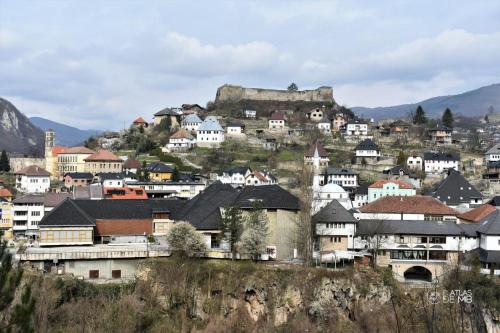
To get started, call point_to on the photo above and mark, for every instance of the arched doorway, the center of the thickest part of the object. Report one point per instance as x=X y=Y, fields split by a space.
x=418 y=273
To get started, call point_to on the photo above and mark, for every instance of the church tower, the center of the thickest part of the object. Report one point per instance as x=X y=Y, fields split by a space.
x=50 y=160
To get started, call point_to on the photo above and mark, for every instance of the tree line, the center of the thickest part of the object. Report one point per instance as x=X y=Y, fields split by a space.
x=420 y=118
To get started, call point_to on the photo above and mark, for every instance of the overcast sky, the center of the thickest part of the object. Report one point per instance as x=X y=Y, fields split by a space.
x=98 y=64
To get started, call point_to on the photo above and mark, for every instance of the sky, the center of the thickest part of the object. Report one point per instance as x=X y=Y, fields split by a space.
x=100 y=64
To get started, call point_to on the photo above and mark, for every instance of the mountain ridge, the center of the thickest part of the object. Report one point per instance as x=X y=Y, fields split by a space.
x=472 y=103
x=65 y=135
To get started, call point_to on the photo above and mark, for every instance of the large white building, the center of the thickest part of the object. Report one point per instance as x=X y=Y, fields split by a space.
x=210 y=133
x=191 y=122
x=368 y=151
x=356 y=130
x=344 y=177
x=437 y=163
x=33 y=179
x=414 y=163
x=323 y=195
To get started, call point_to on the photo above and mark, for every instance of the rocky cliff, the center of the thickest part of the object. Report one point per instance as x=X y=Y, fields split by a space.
x=17 y=133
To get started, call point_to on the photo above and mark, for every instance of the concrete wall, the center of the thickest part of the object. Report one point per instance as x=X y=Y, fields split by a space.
x=81 y=268
x=17 y=163
x=237 y=93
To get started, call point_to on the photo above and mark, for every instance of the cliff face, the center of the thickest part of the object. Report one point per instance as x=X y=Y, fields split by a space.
x=17 y=133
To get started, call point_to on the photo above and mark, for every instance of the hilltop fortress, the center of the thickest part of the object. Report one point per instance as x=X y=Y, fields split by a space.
x=237 y=93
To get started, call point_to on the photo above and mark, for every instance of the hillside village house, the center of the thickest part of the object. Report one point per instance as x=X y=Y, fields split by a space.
x=171 y=113
x=140 y=123
x=455 y=191
x=344 y=177
x=6 y=213
x=111 y=179
x=131 y=165
x=103 y=161
x=399 y=128
x=402 y=173
x=159 y=171
x=181 y=140
x=492 y=172
x=72 y=179
x=191 y=108
x=235 y=129
x=325 y=126
x=250 y=114
x=191 y=122
x=73 y=159
x=277 y=121
x=441 y=135
x=234 y=176
x=415 y=163
x=317 y=157
x=339 y=122
x=32 y=179
x=210 y=133
x=383 y=188
x=356 y=130
x=30 y=209
x=493 y=154
x=257 y=178
x=316 y=114
x=437 y=163
x=367 y=151
x=271 y=144
x=360 y=195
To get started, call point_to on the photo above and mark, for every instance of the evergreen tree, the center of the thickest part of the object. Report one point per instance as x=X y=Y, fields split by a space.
x=487 y=119
x=419 y=118
x=447 y=118
x=401 y=161
x=4 y=162
x=175 y=175
x=292 y=87
x=232 y=227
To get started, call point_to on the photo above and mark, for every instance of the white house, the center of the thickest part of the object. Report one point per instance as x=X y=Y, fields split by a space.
x=325 y=126
x=112 y=179
x=277 y=121
x=257 y=178
x=250 y=114
x=191 y=122
x=356 y=129
x=180 y=141
x=316 y=114
x=210 y=133
x=437 y=163
x=234 y=176
x=493 y=154
x=414 y=162
x=344 y=177
x=367 y=150
x=33 y=179
x=235 y=129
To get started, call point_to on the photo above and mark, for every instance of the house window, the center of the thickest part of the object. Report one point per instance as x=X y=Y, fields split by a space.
x=94 y=274
x=116 y=274
x=214 y=241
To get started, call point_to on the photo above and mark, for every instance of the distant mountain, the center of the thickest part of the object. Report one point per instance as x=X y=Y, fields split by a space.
x=65 y=135
x=17 y=133
x=474 y=103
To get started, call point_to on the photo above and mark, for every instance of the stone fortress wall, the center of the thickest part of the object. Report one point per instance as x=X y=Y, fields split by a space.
x=231 y=93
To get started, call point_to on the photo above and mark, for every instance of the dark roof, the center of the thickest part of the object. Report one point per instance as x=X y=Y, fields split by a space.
x=268 y=197
x=396 y=171
x=29 y=198
x=132 y=164
x=486 y=256
x=362 y=189
x=333 y=212
x=241 y=170
x=67 y=214
x=437 y=156
x=159 y=167
x=166 y=112
x=111 y=176
x=495 y=201
x=440 y=128
x=340 y=171
x=367 y=144
x=79 y=175
x=370 y=227
x=316 y=147
x=490 y=225
x=277 y=116
x=455 y=189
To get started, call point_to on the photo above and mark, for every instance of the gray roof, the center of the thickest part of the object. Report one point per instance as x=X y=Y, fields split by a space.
x=49 y=199
x=158 y=167
x=79 y=175
x=210 y=124
x=111 y=176
x=485 y=255
x=268 y=197
x=438 y=156
x=440 y=128
x=166 y=112
x=192 y=118
x=490 y=225
x=333 y=212
x=367 y=144
x=400 y=227
x=455 y=189
x=339 y=171
x=494 y=150
x=238 y=169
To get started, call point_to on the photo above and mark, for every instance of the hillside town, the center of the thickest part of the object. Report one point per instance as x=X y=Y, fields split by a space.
x=416 y=195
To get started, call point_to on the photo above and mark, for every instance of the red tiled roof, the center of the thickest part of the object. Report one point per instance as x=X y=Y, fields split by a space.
x=409 y=205
x=132 y=164
x=58 y=150
x=321 y=150
x=77 y=150
x=33 y=170
x=121 y=193
x=180 y=134
x=382 y=182
x=277 y=116
x=103 y=155
x=477 y=214
x=5 y=193
x=140 y=120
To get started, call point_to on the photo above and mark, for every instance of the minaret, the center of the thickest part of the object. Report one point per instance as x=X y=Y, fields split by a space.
x=50 y=137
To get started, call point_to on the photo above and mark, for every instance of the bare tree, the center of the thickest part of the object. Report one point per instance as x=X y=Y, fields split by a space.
x=305 y=229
